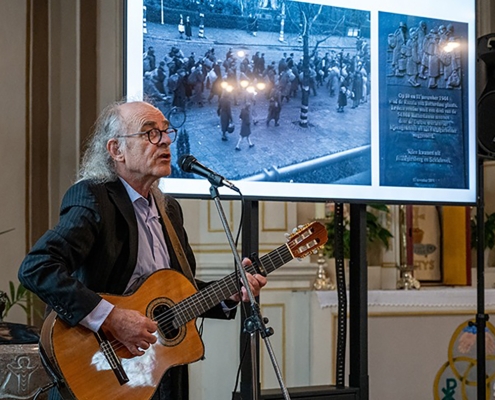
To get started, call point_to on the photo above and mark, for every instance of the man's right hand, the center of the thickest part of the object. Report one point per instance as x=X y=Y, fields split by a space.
x=131 y=328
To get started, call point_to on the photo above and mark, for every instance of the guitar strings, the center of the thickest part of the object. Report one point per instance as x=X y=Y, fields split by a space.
x=165 y=320
x=182 y=309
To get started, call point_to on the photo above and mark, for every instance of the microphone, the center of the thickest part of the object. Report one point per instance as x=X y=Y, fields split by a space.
x=188 y=163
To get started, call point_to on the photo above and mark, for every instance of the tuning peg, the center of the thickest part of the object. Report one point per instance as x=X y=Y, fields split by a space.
x=287 y=235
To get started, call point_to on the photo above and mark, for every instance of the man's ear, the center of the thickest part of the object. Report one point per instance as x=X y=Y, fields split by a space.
x=113 y=147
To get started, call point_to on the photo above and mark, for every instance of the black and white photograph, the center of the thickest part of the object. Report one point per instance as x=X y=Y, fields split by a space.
x=263 y=90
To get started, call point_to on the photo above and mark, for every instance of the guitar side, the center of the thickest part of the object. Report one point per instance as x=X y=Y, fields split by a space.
x=76 y=354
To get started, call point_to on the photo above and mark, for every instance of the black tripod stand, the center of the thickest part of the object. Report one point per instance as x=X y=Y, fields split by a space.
x=255 y=323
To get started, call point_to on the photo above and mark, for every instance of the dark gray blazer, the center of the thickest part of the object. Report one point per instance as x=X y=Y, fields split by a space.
x=93 y=249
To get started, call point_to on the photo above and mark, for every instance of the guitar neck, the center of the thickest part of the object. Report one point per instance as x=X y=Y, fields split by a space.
x=218 y=291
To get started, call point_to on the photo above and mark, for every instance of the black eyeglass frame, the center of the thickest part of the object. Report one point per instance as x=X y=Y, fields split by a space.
x=159 y=135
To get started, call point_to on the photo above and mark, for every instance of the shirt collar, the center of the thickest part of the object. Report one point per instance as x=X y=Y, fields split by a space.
x=133 y=195
x=135 y=199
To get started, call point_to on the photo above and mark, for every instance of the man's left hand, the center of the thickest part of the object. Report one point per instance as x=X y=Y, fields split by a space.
x=256 y=282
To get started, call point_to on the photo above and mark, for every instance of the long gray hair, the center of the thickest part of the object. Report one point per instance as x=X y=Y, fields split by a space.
x=97 y=164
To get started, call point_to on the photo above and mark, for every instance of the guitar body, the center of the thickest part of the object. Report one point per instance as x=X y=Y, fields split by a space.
x=82 y=366
x=75 y=354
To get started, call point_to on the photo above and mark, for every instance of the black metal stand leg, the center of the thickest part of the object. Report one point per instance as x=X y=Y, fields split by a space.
x=358 y=289
x=481 y=317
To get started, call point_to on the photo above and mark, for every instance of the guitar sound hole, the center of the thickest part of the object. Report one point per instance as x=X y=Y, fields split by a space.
x=165 y=319
x=170 y=331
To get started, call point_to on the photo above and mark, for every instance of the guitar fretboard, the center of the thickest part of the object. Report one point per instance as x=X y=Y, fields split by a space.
x=218 y=291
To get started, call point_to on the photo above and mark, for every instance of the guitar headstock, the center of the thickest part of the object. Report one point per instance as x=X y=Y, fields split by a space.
x=307 y=239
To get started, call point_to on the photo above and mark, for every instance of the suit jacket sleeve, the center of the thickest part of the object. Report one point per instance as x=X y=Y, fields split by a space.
x=93 y=249
x=49 y=268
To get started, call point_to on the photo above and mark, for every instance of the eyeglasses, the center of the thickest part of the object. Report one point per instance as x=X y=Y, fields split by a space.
x=155 y=134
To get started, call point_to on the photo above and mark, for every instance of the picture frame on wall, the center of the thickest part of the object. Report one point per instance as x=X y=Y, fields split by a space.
x=427 y=243
x=441 y=246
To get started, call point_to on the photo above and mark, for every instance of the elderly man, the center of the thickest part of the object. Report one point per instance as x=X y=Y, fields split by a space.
x=112 y=235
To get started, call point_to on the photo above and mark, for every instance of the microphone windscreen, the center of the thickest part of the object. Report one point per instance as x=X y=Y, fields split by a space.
x=185 y=162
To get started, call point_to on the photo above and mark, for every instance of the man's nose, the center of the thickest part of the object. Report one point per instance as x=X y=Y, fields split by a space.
x=165 y=139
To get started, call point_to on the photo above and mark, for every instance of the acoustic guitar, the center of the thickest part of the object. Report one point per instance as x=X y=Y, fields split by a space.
x=94 y=366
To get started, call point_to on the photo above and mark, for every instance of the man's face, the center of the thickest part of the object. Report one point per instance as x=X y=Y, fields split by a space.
x=142 y=160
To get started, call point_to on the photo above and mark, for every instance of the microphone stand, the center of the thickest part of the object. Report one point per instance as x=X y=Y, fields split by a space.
x=255 y=323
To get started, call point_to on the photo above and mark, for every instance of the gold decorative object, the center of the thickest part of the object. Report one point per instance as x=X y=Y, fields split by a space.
x=406 y=280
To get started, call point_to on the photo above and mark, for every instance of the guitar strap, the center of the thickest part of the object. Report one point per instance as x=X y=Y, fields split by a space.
x=179 y=250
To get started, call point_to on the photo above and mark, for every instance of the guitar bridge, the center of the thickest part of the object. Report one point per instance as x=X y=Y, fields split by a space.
x=111 y=356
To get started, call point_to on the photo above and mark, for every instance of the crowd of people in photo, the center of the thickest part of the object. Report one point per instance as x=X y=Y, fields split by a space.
x=259 y=86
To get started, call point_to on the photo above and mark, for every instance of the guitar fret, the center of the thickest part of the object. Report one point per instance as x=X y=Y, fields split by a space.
x=272 y=262
x=268 y=259
x=207 y=298
x=288 y=256
x=202 y=301
x=281 y=258
x=181 y=315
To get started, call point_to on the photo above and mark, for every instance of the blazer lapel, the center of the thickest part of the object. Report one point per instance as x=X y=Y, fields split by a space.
x=120 y=198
